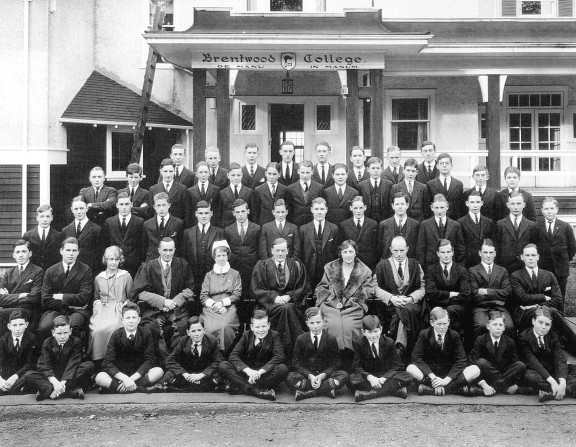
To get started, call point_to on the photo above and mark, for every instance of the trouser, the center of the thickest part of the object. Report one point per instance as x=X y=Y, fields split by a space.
x=500 y=380
x=357 y=382
x=535 y=380
x=78 y=323
x=239 y=380
x=206 y=385
x=297 y=381
x=38 y=382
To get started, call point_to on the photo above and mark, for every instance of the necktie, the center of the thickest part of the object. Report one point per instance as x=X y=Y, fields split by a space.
x=195 y=350
x=167 y=187
x=203 y=190
x=445 y=184
x=541 y=343
x=17 y=346
x=131 y=337
x=410 y=188
x=375 y=184
x=440 y=341
x=323 y=175
x=516 y=224
x=319 y=229
x=374 y=351
x=44 y=235
x=166 y=272
x=67 y=272
x=534 y=280
x=274 y=191
x=340 y=194
x=60 y=352
x=400 y=271
x=131 y=194
x=395 y=175
x=203 y=229
x=280 y=227
x=489 y=273
x=441 y=226
x=20 y=270
x=96 y=193
x=306 y=187
x=161 y=224
x=400 y=226
x=214 y=174
x=123 y=225
x=251 y=171
x=476 y=219
x=287 y=173
x=359 y=176
x=446 y=273
x=281 y=275
x=496 y=347
x=315 y=342
x=549 y=229
x=242 y=232
x=78 y=229
x=359 y=225
x=429 y=170
x=480 y=191
x=236 y=191
x=279 y=267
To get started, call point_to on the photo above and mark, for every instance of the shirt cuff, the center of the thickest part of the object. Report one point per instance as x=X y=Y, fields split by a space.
x=209 y=302
x=226 y=302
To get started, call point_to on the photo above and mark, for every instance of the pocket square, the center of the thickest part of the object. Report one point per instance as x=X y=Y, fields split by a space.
x=547 y=288
x=330 y=240
x=29 y=281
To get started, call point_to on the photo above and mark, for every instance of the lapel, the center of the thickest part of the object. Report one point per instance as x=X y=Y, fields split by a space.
x=325 y=235
x=72 y=274
x=522 y=227
x=484 y=274
x=211 y=235
x=266 y=344
x=434 y=227
x=322 y=340
x=25 y=275
x=449 y=227
x=250 y=228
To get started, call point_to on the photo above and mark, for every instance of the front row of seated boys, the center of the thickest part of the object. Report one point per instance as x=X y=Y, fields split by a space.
x=256 y=365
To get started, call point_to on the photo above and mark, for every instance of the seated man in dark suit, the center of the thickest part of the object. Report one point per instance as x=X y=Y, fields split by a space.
x=162 y=225
x=21 y=287
x=492 y=201
x=218 y=175
x=177 y=193
x=398 y=225
x=300 y=195
x=236 y=190
x=255 y=365
x=451 y=188
x=358 y=173
x=203 y=191
x=363 y=231
x=512 y=179
x=44 y=239
x=475 y=228
x=279 y=228
x=100 y=199
x=138 y=195
x=417 y=193
x=253 y=174
x=66 y=290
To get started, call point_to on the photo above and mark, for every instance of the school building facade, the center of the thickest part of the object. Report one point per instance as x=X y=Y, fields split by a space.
x=490 y=82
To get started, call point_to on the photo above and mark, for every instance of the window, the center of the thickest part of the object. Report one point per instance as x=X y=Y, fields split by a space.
x=168 y=14
x=119 y=141
x=541 y=8
x=248 y=118
x=410 y=122
x=323 y=117
x=297 y=137
x=286 y=5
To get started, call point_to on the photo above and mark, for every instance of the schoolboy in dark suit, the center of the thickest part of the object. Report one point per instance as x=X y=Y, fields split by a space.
x=316 y=361
x=398 y=225
x=438 y=358
x=451 y=188
x=417 y=193
x=255 y=365
x=218 y=176
x=203 y=191
x=299 y=195
x=287 y=169
x=162 y=225
x=253 y=174
x=279 y=228
x=177 y=193
x=99 y=198
x=230 y=194
x=193 y=365
x=393 y=171
x=339 y=196
x=427 y=170
x=492 y=201
x=358 y=173
x=378 y=369
x=182 y=174
x=60 y=371
x=376 y=192
x=475 y=228
x=512 y=179
x=322 y=172
x=363 y=231
x=266 y=195
x=129 y=363
x=18 y=353
x=138 y=196
x=44 y=239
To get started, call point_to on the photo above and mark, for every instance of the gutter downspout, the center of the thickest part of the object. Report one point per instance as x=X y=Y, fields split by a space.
x=26 y=51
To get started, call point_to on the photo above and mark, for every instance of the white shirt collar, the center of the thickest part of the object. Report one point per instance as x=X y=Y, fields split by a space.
x=472 y=216
x=239 y=186
x=40 y=230
x=519 y=218
x=399 y=219
x=323 y=222
x=436 y=334
x=66 y=266
x=130 y=188
x=206 y=183
x=374 y=180
x=303 y=184
x=169 y=185
x=128 y=217
x=449 y=266
x=128 y=334
x=166 y=217
x=319 y=337
x=486 y=266
x=338 y=188
x=82 y=223
x=396 y=264
x=494 y=340
x=23 y=266
x=164 y=264
x=206 y=228
x=245 y=224
x=278 y=223
x=221 y=269
x=444 y=219
x=535 y=270
x=361 y=221
x=547 y=222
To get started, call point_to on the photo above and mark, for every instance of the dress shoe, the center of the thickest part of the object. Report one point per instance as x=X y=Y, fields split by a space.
x=461 y=391
x=475 y=390
x=360 y=396
x=525 y=390
x=301 y=395
x=41 y=396
x=77 y=393
x=331 y=394
x=543 y=396
x=263 y=394
x=402 y=393
x=233 y=391
x=425 y=390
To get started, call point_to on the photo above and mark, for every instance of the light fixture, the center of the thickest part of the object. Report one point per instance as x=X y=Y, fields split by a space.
x=287 y=85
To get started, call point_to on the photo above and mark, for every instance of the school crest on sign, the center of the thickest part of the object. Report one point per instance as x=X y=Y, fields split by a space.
x=288 y=61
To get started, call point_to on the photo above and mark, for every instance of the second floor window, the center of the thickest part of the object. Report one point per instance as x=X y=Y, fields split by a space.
x=285 y=5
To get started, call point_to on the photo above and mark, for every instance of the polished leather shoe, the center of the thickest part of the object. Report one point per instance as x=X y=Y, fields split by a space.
x=543 y=396
x=266 y=395
x=461 y=391
x=233 y=391
x=360 y=396
x=40 y=397
x=475 y=390
x=402 y=393
x=425 y=390
x=77 y=393
x=331 y=394
x=301 y=395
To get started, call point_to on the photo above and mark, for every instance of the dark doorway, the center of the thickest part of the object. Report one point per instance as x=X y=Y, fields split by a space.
x=286 y=123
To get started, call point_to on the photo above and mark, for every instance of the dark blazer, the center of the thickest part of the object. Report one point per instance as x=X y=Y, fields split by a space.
x=19 y=363
x=546 y=362
x=130 y=242
x=454 y=196
x=352 y=180
x=493 y=205
x=263 y=202
x=484 y=349
x=181 y=361
x=446 y=361
x=245 y=252
x=190 y=250
x=102 y=206
x=221 y=180
x=367 y=239
x=44 y=254
x=187 y=177
x=388 y=364
x=77 y=288
x=299 y=207
x=389 y=174
x=30 y=282
x=328 y=178
x=419 y=206
x=498 y=287
x=526 y=295
x=338 y=209
x=89 y=244
x=385 y=187
x=212 y=196
x=423 y=176
x=529 y=210
x=51 y=364
x=330 y=242
x=306 y=359
x=245 y=355
x=151 y=235
x=473 y=236
x=428 y=237
x=386 y=234
x=257 y=180
x=509 y=246
x=141 y=197
x=557 y=251
x=224 y=214
x=269 y=233
x=178 y=196
x=438 y=289
x=264 y=286
x=122 y=356
x=294 y=176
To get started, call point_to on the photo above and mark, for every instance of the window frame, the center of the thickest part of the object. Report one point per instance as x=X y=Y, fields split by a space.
x=553 y=9
x=117 y=175
x=333 y=118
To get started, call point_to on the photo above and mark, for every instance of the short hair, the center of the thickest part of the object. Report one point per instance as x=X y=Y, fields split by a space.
x=280 y=202
x=18 y=314
x=167 y=240
x=399 y=195
x=96 y=168
x=443 y=243
x=60 y=320
x=444 y=155
x=339 y=166
x=530 y=245
x=212 y=149
x=513 y=170
x=438 y=313
x=319 y=201
x=479 y=168
x=239 y=202
x=288 y=143
x=306 y=164
x=20 y=242
x=77 y=199
x=167 y=162
x=194 y=320
x=203 y=204
x=69 y=240
x=130 y=306
x=113 y=250
x=178 y=146
x=133 y=168
x=427 y=143
x=393 y=149
x=233 y=166
x=357 y=199
x=200 y=164
x=357 y=148
x=374 y=160
x=251 y=145
x=43 y=208
x=411 y=162
x=542 y=311
x=312 y=312
x=272 y=164
x=494 y=314
x=488 y=242
x=550 y=199
x=516 y=194
x=161 y=196
x=279 y=241
x=258 y=314
x=323 y=143
x=347 y=244
x=439 y=198
x=475 y=193
x=123 y=195
x=371 y=322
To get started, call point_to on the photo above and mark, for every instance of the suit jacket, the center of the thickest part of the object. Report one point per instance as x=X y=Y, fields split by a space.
x=187 y=178
x=498 y=287
x=419 y=206
x=190 y=253
x=306 y=359
x=17 y=362
x=130 y=242
x=438 y=289
x=330 y=242
x=339 y=209
x=446 y=361
x=141 y=198
x=77 y=288
x=102 y=206
x=51 y=364
x=225 y=215
x=423 y=176
x=557 y=251
x=151 y=235
x=527 y=295
x=385 y=186
x=529 y=210
x=263 y=202
x=454 y=196
x=264 y=286
x=352 y=179
x=410 y=232
x=473 y=236
x=294 y=176
x=246 y=355
x=244 y=252
x=509 y=246
x=328 y=178
x=299 y=207
x=547 y=362
x=366 y=239
x=89 y=244
x=44 y=254
x=29 y=282
x=269 y=233
x=484 y=349
x=388 y=364
x=258 y=178
x=221 y=180
x=428 y=237
x=389 y=174
x=212 y=196
x=493 y=205
x=123 y=356
x=182 y=361
x=179 y=199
